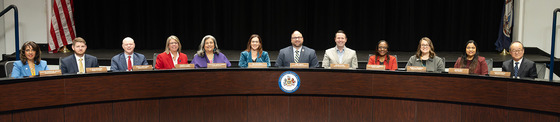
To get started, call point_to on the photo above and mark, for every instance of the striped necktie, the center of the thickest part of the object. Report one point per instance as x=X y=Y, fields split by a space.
x=516 y=69
x=81 y=67
x=297 y=56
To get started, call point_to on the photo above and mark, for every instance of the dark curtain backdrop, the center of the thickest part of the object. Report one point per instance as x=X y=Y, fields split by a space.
x=449 y=23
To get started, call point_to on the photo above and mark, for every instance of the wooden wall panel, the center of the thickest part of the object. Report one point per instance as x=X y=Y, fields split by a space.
x=334 y=83
x=6 y=117
x=99 y=112
x=471 y=113
x=482 y=91
x=42 y=115
x=438 y=112
x=136 y=111
x=308 y=109
x=534 y=96
x=34 y=94
x=523 y=116
x=350 y=109
x=268 y=108
x=390 y=110
x=225 y=109
x=182 y=109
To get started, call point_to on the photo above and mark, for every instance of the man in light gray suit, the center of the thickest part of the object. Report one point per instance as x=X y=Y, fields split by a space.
x=340 y=54
x=297 y=53
x=128 y=58
x=78 y=62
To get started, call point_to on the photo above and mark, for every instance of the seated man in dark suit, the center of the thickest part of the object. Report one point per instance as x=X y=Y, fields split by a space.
x=297 y=53
x=519 y=66
x=129 y=58
x=78 y=62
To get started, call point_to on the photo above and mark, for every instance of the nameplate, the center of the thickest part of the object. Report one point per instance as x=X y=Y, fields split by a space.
x=415 y=69
x=216 y=65
x=50 y=72
x=375 y=67
x=500 y=74
x=340 y=66
x=184 y=66
x=464 y=71
x=299 y=65
x=258 y=65
x=96 y=70
x=142 y=68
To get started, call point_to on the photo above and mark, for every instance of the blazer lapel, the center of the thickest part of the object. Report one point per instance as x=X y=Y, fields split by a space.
x=335 y=55
x=290 y=55
x=123 y=61
x=73 y=64
x=137 y=60
x=26 y=69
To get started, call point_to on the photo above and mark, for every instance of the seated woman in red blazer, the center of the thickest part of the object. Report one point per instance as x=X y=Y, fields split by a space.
x=382 y=57
x=172 y=54
x=470 y=59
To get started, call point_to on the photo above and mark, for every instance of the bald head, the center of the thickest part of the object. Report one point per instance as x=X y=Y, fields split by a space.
x=128 y=45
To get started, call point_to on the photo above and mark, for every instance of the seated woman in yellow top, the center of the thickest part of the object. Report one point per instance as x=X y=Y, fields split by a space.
x=30 y=63
x=470 y=59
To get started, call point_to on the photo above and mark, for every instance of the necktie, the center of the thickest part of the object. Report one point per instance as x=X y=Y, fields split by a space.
x=297 y=56
x=516 y=69
x=32 y=69
x=81 y=67
x=129 y=64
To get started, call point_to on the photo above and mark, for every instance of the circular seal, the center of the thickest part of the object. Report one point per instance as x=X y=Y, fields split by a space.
x=289 y=82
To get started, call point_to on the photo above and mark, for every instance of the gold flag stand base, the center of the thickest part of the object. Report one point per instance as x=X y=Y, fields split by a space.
x=64 y=49
x=504 y=52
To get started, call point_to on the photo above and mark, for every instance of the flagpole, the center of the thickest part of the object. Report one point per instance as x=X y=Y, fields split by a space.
x=551 y=65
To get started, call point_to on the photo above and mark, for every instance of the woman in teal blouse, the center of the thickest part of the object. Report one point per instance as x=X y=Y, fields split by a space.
x=254 y=52
x=30 y=63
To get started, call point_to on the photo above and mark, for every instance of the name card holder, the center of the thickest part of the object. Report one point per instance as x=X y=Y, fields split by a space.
x=142 y=68
x=299 y=65
x=415 y=69
x=340 y=66
x=257 y=65
x=500 y=74
x=50 y=72
x=184 y=66
x=96 y=70
x=216 y=65
x=463 y=71
x=375 y=67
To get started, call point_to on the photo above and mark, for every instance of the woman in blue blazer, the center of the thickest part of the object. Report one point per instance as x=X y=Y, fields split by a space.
x=254 y=52
x=30 y=63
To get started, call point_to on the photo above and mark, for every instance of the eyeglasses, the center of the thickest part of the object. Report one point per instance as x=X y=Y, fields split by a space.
x=297 y=37
x=516 y=51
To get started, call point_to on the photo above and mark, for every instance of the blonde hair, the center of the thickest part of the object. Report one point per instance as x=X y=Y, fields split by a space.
x=167 y=43
x=201 y=51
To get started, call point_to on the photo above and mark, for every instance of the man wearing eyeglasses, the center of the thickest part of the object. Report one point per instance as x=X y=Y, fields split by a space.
x=519 y=66
x=340 y=54
x=124 y=61
x=297 y=53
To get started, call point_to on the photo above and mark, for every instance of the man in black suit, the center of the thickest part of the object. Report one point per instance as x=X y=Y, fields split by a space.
x=519 y=66
x=297 y=53
x=78 y=62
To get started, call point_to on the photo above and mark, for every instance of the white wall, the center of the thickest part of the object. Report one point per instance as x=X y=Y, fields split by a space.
x=32 y=24
x=533 y=24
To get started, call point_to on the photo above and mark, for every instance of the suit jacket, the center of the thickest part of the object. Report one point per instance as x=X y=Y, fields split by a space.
x=19 y=70
x=164 y=60
x=390 y=62
x=434 y=64
x=120 y=62
x=246 y=57
x=480 y=69
x=349 y=57
x=69 y=64
x=286 y=56
x=527 y=68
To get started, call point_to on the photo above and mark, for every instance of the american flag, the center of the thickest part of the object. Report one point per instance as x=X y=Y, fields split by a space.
x=61 y=28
